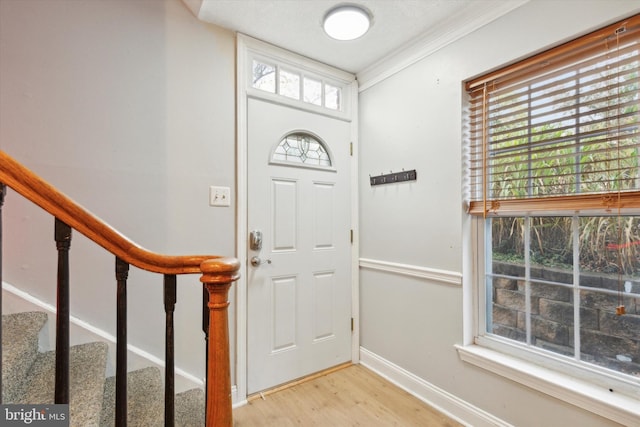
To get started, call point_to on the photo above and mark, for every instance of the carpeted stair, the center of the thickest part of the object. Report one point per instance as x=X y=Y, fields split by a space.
x=28 y=376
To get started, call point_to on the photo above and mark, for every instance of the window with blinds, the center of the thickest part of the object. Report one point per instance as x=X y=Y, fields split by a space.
x=559 y=131
x=553 y=177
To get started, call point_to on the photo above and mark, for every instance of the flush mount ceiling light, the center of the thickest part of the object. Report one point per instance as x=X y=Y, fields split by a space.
x=346 y=22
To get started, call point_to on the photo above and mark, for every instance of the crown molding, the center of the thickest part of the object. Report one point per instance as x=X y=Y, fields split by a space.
x=471 y=18
x=194 y=6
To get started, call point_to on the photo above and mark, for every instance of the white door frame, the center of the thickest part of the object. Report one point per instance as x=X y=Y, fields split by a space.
x=246 y=47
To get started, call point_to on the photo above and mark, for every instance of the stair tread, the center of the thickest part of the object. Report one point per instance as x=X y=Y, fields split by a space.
x=19 y=350
x=145 y=399
x=190 y=407
x=87 y=365
x=28 y=377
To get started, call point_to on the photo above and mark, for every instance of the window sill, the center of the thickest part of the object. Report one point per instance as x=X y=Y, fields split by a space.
x=583 y=394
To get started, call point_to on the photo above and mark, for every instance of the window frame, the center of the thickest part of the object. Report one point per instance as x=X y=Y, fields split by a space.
x=597 y=374
x=303 y=71
x=303 y=165
x=590 y=387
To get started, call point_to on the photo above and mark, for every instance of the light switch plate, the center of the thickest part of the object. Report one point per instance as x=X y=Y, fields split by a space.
x=219 y=196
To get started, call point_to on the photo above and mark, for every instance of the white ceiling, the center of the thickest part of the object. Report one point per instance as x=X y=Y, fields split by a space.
x=296 y=24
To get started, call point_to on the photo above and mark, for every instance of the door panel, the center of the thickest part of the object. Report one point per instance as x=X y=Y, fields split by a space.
x=283 y=326
x=322 y=215
x=323 y=291
x=299 y=295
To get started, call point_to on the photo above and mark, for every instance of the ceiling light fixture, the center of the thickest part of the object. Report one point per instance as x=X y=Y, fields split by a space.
x=346 y=22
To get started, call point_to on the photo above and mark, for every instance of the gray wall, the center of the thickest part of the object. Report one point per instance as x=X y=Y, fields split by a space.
x=414 y=120
x=129 y=108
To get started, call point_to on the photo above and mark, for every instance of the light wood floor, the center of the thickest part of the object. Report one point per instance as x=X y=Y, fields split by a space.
x=352 y=396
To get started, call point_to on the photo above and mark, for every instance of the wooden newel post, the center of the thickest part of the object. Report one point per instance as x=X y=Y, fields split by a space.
x=217 y=276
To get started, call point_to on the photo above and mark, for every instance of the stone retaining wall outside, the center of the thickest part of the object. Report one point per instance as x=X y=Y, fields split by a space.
x=605 y=338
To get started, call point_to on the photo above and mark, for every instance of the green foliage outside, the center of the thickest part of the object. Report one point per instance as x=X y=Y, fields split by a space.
x=568 y=153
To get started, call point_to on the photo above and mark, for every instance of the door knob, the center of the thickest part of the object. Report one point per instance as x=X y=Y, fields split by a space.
x=256 y=261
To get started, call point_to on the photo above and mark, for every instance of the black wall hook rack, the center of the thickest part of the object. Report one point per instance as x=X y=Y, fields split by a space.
x=394 y=177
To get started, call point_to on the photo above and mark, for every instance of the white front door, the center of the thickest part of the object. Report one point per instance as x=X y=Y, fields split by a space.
x=299 y=295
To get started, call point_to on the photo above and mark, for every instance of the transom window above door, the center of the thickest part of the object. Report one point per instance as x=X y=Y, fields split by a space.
x=296 y=85
x=302 y=149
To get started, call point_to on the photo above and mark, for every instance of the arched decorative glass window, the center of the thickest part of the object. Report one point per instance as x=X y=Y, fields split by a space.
x=301 y=148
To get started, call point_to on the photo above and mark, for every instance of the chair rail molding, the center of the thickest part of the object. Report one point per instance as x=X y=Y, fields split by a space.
x=444 y=277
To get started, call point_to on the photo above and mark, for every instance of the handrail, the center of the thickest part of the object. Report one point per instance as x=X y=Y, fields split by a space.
x=217 y=275
x=35 y=189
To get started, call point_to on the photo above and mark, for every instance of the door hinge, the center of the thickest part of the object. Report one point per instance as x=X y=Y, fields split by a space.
x=351 y=148
x=352 y=324
x=351 y=235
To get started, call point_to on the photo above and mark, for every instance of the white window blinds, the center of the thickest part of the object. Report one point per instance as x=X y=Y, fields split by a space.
x=559 y=131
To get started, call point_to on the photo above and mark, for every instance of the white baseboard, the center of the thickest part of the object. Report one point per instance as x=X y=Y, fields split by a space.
x=15 y=300
x=445 y=402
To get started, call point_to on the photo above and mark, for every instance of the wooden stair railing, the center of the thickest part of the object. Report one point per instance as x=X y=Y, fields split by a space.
x=217 y=275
